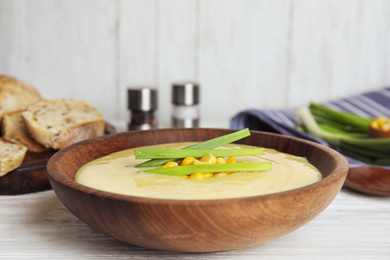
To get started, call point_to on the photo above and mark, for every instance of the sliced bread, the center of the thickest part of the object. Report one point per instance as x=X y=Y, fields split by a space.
x=14 y=129
x=59 y=123
x=16 y=95
x=11 y=156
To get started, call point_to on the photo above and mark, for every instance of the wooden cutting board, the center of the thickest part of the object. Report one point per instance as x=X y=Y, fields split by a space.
x=31 y=176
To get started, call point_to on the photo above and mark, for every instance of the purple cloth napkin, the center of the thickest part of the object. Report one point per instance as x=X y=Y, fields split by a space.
x=374 y=103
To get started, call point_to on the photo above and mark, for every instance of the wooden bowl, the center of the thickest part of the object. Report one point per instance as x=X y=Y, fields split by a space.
x=195 y=225
x=370 y=180
x=378 y=133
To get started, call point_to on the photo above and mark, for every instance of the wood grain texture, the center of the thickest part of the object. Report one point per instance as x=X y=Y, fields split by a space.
x=243 y=55
x=332 y=49
x=136 y=49
x=31 y=176
x=378 y=133
x=369 y=180
x=195 y=225
x=63 y=48
x=354 y=226
x=177 y=48
x=246 y=54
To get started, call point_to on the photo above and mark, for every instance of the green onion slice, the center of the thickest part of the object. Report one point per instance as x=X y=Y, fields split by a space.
x=178 y=154
x=209 y=144
x=227 y=167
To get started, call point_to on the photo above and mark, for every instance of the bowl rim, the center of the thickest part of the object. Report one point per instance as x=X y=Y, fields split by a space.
x=340 y=171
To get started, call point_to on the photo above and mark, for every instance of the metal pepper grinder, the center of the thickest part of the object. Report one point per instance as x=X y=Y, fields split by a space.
x=185 y=105
x=142 y=103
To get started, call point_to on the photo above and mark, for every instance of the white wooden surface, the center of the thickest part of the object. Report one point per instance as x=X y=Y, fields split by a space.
x=38 y=226
x=245 y=53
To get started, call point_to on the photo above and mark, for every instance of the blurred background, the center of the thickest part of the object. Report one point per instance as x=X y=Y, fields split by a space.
x=263 y=54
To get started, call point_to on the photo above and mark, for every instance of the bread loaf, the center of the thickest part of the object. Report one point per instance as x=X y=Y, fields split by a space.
x=16 y=95
x=59 y=123
x=11 y=156
x=14 y=129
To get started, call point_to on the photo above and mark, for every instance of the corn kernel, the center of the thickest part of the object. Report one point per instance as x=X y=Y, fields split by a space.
x=220 y=174
x=231 y=159
x=381 y=120
x=197 y=176
x=221 y=160
x=188 y=161
x=209 y=158
x=381 y=123
x=208 y=175
x=197 y=162
x=169 y=164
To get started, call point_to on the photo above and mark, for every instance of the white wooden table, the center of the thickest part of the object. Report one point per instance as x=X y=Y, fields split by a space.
x=38 y=226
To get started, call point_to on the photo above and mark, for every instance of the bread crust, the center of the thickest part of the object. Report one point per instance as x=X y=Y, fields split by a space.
x=24 y=126
x=15 y=130
x=77 y=133
x=59 y=123
x=16 y=95
x=11 y=156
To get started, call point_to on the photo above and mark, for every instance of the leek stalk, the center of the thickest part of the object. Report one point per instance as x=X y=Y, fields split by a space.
x=368 y=150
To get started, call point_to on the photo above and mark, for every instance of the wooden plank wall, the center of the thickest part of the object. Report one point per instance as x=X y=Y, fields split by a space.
x=245 y=53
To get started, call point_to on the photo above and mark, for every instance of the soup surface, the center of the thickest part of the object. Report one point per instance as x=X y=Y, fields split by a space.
x=115 y=173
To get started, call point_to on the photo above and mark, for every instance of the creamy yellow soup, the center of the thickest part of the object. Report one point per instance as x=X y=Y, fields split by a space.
x=116 y=173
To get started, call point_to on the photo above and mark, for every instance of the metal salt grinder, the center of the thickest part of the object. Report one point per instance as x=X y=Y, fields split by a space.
x=185 y=105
